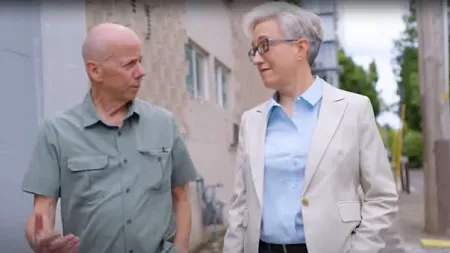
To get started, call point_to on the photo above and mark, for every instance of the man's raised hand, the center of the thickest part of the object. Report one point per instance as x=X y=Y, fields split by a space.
x=49 y=241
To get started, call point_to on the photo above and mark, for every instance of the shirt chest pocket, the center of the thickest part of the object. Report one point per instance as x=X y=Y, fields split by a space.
x=155 y=166
x=86 y=177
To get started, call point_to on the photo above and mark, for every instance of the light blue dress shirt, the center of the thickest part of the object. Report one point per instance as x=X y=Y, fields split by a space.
x=286 y=150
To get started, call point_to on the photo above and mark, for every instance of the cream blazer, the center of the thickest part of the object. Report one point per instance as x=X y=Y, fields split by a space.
x=349 y=197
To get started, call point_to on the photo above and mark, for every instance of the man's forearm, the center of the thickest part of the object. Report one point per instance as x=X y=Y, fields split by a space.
x=29 y=231
x=183 y=218
x=45 y=208
x=182 y=208
x=48 y=223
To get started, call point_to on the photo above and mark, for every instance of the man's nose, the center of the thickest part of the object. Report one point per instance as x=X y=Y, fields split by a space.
x=140 y=71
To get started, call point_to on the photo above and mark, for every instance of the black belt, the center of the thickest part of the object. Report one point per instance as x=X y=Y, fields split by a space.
x=282 y=248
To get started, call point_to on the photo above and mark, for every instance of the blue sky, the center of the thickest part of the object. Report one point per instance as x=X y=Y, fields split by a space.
x=366 y=32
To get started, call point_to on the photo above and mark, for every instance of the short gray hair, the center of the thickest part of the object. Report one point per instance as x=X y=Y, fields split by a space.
x=294 y=22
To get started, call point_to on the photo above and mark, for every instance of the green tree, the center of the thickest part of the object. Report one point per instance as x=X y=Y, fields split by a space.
x=406 y=68
x=412 y=147
x=356 y=79
x=387 y=134
x=372 y=74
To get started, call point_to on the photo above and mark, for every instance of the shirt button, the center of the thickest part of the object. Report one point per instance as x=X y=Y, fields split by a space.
x=127 y=190
x=159 y=159
x=125 y=160
x=130 y=251
x=119 y=133
x=129 y=221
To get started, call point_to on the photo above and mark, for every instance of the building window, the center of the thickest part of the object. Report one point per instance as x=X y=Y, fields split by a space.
x=327 y=57
x=319 y=6
x=222 y=74
x=196 y=80
x=323 y=75
x=310 y=5
x=326 y=7
x=328 y=24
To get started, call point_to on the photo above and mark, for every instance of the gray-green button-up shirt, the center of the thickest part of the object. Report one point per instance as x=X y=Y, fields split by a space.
x=114 y=183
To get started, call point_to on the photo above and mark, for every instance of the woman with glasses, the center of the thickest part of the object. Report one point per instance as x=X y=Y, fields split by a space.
x=312 y=173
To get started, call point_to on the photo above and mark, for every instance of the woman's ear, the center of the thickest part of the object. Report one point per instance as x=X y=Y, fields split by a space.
x=302 y=49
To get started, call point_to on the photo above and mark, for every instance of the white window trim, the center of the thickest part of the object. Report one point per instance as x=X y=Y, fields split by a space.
x=205 y=69
x=219 y=68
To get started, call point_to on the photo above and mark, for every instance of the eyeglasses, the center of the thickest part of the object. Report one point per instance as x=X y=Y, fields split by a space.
x=264 y=46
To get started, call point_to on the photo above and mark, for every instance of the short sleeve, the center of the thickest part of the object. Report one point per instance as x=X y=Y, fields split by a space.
x=183 y=170
x=43 y=176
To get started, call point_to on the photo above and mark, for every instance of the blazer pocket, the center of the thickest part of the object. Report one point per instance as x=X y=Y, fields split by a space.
x=350 y=211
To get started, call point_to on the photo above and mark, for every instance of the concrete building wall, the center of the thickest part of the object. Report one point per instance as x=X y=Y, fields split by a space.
x=44 y=41
x=250 y=90
x=214 y=28
x=209 y=125
x=41 y=73
x=64 y=80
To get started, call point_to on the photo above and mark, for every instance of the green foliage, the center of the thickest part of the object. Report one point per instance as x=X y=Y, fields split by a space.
x=388 y=135
x=412 y=143
x=412 y=147
x=356 y=79
x=406 y=69
x=406 y=62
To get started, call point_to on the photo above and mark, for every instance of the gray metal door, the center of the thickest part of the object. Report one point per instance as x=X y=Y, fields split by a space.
x=19 y=79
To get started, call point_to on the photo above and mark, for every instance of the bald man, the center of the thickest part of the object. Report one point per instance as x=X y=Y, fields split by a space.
x=118 y=164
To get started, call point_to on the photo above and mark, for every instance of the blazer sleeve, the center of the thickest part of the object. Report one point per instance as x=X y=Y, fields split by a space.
x=380 y=196
x=234 y=236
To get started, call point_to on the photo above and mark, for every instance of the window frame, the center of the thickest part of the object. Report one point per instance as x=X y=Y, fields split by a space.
x=222 y=88
x=199 y=89
x=329 y=23
x=327 y=56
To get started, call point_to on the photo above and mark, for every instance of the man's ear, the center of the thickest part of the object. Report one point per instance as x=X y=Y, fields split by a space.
x=94 y=70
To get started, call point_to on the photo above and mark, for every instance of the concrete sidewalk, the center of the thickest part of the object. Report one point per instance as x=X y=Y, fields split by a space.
x=408 y=228
x=403 y=237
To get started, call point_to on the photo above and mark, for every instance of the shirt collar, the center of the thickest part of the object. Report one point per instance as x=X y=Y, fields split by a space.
x=312 y=95
x=91 y=116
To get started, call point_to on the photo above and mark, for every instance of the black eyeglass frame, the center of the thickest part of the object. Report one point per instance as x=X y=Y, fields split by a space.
x=264 y=45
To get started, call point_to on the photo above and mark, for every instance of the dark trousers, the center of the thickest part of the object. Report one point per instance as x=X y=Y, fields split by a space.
x=281 y=248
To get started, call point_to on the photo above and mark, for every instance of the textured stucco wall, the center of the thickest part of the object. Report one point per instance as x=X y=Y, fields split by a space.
x=207 y=127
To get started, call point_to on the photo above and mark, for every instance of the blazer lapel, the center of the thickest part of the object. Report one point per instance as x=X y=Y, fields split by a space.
x=331 y=111
x=257 y=148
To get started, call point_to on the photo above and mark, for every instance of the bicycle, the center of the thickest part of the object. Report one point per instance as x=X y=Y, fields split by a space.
x=212 y=209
